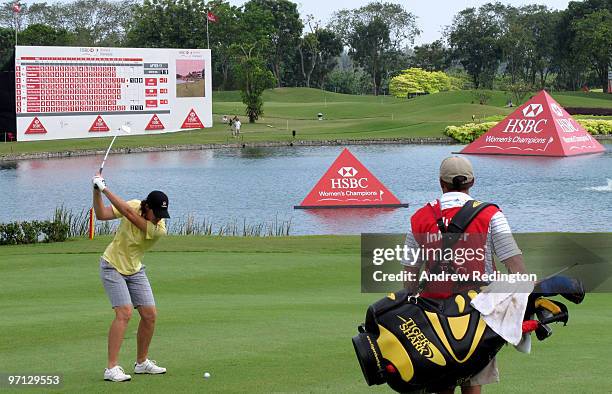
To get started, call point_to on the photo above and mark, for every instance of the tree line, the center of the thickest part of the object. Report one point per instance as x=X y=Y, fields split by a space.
x=267 y=43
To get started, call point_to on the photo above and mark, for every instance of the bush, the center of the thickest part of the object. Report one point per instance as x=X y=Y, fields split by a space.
x=482 y=96
x=18 y=233
x=468 y=132
x=596 y=126
x=416 y=80
x=471 y=131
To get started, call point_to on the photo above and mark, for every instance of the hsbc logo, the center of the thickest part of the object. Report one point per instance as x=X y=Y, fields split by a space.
x=524 y=126
x=532 y=110
x=347 y=172
x=557 y=110
x=348 y=180
x=566 y=125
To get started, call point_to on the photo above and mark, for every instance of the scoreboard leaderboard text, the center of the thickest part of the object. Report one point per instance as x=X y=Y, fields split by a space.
x=72 y=92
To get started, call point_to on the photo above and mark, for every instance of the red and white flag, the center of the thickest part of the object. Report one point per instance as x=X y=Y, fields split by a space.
x=16 y=8
x=212 y=17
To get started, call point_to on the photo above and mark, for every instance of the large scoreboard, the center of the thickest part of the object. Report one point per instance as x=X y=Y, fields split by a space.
x=72 y=92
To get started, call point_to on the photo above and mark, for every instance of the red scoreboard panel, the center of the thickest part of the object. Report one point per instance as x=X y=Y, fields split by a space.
x=56 y=84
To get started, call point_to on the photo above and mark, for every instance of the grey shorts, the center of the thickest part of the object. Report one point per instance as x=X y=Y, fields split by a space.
x=126 y=289
x=488 y=375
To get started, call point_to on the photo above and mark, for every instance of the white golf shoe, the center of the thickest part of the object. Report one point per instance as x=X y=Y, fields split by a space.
x=116 y=374
x=150 y=367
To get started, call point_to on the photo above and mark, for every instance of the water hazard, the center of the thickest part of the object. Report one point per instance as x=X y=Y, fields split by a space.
x=259 y=185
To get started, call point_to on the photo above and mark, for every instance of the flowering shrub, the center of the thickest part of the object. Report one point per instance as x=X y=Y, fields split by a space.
x=470 y=131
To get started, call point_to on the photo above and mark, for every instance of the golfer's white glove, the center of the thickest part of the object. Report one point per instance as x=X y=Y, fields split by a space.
x=99 y=183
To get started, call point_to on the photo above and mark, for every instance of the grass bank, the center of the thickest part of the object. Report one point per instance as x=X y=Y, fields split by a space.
x=346 y=117
x=261 y=315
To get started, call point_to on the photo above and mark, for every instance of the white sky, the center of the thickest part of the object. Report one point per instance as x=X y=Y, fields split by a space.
x=432 y=15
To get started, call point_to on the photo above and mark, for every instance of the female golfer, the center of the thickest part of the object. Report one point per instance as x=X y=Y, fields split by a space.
x=123 y=275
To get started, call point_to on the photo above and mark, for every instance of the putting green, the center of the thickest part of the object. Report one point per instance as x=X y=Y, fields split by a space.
x=259 y=314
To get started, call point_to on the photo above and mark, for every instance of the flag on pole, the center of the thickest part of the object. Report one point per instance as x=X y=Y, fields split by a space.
x=212 y=17
x=16 y=7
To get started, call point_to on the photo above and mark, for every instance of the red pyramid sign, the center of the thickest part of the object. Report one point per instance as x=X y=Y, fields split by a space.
x=36 y=127
x=540 y=127
x=349 y=184
x=192 y=121
x=98 y=125
x=155 y=124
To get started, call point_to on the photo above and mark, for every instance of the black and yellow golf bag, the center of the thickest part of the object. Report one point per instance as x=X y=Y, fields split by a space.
x=415 y=343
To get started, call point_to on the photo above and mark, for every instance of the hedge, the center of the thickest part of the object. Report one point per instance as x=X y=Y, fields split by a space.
x=470 y=131
x=17 y=233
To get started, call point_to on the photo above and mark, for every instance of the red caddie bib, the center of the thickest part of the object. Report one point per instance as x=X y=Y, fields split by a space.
x=468 y=251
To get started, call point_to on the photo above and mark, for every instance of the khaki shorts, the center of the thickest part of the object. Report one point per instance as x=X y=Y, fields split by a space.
x=488 y=375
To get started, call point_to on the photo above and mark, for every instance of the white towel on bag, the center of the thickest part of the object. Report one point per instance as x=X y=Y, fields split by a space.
x=502 y=306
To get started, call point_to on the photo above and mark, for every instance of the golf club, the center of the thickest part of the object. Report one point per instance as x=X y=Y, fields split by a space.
x=556 y=273
x=126 y=129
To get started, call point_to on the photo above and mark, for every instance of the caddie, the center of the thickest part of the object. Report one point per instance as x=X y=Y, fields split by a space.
x=471 y=224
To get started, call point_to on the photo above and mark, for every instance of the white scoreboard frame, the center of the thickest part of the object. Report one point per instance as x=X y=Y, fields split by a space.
x=77 y=123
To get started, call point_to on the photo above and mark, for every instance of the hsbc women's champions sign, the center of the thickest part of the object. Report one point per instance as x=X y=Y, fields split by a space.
x=80 y=92
x=348 y=184
x=540 y=127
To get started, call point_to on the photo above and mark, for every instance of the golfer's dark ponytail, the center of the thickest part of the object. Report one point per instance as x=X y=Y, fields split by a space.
x=143 y=204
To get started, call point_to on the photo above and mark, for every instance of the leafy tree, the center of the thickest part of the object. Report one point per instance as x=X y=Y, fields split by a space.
x=431 y=57
x=7 y=50
x=528 y=44
x=593 y=40
x=542 y=24
x=376 y=35
x=574 y=67
x=92 y=22
x=169 y=24
x=44 y=35
x=309 y=51
x=330 y=47
x=370 y=43
x=348 y=81
x=222 y=35
x=253 y=77
x=475 y=39
x=280 y=23
x=317 y=52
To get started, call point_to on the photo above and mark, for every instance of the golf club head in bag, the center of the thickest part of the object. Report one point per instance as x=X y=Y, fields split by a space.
x=415 y=343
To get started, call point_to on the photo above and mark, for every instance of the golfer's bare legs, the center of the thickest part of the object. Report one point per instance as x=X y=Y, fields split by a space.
x=146 y=327
x=123 y=314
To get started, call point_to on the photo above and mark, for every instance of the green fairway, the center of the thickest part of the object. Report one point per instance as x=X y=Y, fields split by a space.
x=259 y=314
x=190 y=89
x=346 y=117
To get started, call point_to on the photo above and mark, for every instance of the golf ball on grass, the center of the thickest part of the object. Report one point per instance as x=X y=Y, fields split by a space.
x=206 y=375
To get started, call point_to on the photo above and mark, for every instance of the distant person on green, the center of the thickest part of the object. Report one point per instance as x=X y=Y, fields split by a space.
x=123 y=275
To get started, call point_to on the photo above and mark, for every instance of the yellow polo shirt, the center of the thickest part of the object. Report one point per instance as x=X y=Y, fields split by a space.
x=126 y=250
